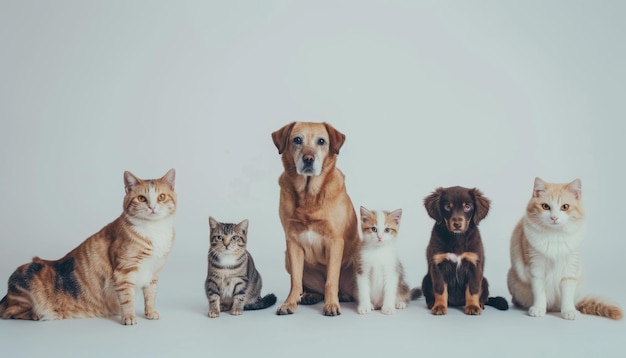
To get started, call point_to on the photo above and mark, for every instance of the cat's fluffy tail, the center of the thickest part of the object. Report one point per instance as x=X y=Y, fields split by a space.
x=416 y=293
x=261 y=303
x=596 y=307
x=498 y=303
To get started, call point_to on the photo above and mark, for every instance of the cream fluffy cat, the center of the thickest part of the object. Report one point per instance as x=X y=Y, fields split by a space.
x=545 y=273
x=380 y=275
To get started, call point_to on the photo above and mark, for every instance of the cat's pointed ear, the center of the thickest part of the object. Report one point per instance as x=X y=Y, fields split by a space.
x=281 y=137
x=396 y=216
x=336 y=138
x=130 y=181
x=431 y=203
x=243 y=225
x=365 y=214
x=482 y=206
x=539 y=188
x=170 y=178
x=212 y=222
x=576 y=188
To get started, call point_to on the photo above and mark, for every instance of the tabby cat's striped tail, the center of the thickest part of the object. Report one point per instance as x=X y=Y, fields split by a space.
x=596 y=307
x=261 y=303
x=3 y=305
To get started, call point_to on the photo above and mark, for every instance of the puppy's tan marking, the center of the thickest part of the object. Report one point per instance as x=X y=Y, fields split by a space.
x=440 y=306
x=472 y=303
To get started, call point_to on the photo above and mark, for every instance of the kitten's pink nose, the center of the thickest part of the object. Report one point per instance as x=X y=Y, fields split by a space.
x=554 y=218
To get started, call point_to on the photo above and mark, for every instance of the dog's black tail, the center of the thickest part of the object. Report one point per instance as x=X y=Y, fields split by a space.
x=498 y=302
x=261 y=303
x=416 y=293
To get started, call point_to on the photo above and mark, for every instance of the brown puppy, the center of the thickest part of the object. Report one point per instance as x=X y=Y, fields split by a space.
x=318 y=217
x=455 y=252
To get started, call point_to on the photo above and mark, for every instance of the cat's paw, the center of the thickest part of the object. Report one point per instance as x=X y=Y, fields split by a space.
x=331 y=309
x=364 y=309
x=129 y=320
x=535 y=311
x=472 y=310
x=388 y=310
x=439 y=310
x=153 y=314
x=214 y=313
x=570 y=314
x=236 y=311
x=401 y=305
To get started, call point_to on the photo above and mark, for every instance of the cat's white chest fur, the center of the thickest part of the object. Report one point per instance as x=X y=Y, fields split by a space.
x=379 y=265
x=161 y=235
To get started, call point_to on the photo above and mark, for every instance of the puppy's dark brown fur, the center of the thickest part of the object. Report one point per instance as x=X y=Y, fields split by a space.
x=455 y=252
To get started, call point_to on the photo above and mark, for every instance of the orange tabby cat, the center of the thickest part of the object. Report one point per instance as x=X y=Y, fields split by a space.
x=99 y=277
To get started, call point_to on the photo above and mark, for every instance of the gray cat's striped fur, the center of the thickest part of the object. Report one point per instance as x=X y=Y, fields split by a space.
x=232 y=282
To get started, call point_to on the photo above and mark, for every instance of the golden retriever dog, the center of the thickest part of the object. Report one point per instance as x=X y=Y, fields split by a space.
x=318 y=217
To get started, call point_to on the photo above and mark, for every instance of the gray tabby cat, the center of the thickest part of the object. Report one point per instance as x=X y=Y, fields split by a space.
x=232 y=282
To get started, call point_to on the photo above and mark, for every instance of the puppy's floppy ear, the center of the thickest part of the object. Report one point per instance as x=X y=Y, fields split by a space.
x=336 y=138
x=482 y=205
x=281 y=136
x=431 y=203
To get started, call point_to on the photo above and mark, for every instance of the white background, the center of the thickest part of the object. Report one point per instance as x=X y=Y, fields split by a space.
x=485 y=94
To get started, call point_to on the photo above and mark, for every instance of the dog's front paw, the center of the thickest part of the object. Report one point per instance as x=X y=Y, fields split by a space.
x=129 y=320
x=570 y=314
x=472 y=310
x=439 y=310
x=331 y=309
x=536 y=311
x=286 y=308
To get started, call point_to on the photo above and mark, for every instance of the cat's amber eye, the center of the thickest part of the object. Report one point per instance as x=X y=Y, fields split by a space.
x=545 y=206
x=142 y=198
x=162 y=197
x=374 y=229
x=297 y=140
x=565 y=207
x=467 y=207
x=321 y=141
x=387 y=230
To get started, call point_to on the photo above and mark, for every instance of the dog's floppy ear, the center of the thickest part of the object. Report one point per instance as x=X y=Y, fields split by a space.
x=281 y=136
x=336 y=138
x=482 y=205
x=431 y=203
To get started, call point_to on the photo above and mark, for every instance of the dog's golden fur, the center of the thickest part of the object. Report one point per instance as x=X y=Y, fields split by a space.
x=317 y=216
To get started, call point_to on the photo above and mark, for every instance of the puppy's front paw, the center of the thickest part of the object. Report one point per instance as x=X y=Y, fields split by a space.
x=364 y=309
x=439 y=310
x=286 y=308
x=472 y=310
x=536 y=311
x=570 y=314
x=129 y=320
x=331 y=309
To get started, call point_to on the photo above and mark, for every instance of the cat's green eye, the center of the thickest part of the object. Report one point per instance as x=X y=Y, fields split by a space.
x=142 y=198
x=374 y=229
x=565 y=207
x=217 y=238
x=235 y=238
x=162 y=197
x=545 y=206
